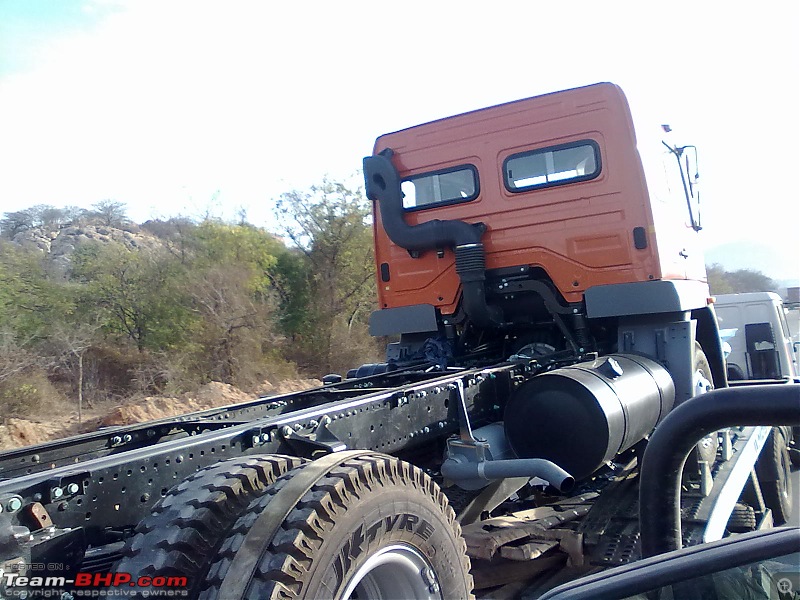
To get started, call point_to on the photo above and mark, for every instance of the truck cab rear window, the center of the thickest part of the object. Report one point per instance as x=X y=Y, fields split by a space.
x=555 y=165
x=442 y=187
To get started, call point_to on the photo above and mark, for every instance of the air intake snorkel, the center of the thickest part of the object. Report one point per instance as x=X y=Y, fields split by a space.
x=383 y=185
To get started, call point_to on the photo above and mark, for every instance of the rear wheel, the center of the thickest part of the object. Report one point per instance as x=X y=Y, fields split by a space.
x=703 y=379
x=735 y=373
x=370 y=527
x=703 y=382
x=773 y=470
x=742 y=519
x=187 y=526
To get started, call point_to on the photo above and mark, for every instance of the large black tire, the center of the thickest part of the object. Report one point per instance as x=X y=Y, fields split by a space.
x=735 y=373
x=773 y=470
x=186 y=527
x=369 y=508
x=742 y=519
x=703 y=381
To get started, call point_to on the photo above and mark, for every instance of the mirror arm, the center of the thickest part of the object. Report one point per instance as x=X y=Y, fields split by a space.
x=687 y=189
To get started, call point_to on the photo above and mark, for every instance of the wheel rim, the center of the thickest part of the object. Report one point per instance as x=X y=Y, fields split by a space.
x=784 y=481
x=701 y=383
x=397 y=571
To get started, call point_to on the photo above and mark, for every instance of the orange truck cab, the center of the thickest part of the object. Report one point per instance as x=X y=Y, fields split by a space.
x=535 y=227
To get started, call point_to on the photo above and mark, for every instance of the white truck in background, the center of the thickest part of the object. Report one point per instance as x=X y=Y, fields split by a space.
x=761 y=341
x=762 y=335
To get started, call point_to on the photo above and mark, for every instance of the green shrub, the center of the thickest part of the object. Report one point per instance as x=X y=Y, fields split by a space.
x=30 y=395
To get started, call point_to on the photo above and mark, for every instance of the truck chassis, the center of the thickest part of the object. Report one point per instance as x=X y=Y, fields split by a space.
x=530 y=245
x=81 y=498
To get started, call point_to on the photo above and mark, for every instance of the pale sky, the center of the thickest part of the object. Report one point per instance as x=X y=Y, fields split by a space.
x=188 y=107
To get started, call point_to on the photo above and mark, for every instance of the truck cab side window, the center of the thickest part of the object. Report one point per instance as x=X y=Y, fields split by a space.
x=441 y=187
x=551 y=166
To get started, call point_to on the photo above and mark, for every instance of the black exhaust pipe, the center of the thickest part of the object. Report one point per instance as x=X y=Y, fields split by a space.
x=383 y=185
x=501 y=469
x=674 y=438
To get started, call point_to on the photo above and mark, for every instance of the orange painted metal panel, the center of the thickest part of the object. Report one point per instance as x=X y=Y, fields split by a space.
x=580 y=233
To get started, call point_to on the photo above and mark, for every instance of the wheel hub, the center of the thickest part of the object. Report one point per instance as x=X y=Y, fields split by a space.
x=397 y=571
x=701 y=383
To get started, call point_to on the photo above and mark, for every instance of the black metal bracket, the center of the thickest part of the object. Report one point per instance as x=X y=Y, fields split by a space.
x=319 y=442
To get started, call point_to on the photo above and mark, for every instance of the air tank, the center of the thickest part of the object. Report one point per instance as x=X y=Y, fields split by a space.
x=581 y=416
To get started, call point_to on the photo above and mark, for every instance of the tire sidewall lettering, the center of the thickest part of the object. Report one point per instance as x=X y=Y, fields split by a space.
x=380 y=520
x=362 y=542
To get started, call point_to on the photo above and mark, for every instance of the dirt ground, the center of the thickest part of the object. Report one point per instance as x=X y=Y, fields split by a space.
x=15 y=433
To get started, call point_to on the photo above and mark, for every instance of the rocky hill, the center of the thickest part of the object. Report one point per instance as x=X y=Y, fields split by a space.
x=58 y=243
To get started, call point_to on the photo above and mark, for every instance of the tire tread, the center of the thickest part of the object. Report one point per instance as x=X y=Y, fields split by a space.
x=285 y=564
x=185 y=526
